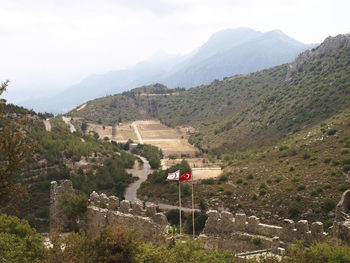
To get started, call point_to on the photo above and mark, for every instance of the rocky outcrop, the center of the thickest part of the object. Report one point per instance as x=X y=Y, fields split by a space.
x=328 y=45
x=241 y=233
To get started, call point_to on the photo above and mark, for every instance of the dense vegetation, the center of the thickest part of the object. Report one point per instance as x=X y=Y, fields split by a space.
x=156 y=185
x=91 y=164
x=20 y=243
x=151 y=153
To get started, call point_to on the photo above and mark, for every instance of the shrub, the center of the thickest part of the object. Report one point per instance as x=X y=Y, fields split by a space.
x=331 y=251
x=283 y=147
x=172 y=156
x=254 y=197
x=262 y=192
x=298 y=198
x=328 y=205
x=278 y=179
x=18 y=241
x=331 y=132
x=345 y=150
x=199 y=221
x=73 y=205
x=223 y=178
x=335 y=162
x=293 y=209
x=208 y=181
x=173 y=216
x=256 y=240
x=342 y=187
x=250 y=177
x=327 y=225
x=239 y=181
x=327 y=160
x=291 y=168
x=262 y=186
x=346 y=167
x=293 y=152
x=327 y=186
x=306 y=156
x=346 y=161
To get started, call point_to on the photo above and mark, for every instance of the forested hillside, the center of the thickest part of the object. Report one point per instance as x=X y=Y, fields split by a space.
x=245 y=110
x=59 y=154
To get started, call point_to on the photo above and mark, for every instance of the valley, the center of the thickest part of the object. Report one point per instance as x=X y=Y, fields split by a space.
x=271 y=145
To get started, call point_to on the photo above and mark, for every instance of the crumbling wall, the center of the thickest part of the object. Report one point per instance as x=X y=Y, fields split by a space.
x=57 y=218
x=341 y=226
x=226 y=231
x=104 y=211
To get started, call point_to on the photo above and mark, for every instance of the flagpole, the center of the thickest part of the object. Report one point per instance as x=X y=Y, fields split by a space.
x=180 y=206
x=193 y=228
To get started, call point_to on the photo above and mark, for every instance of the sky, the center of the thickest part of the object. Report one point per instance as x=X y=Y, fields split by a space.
x=48 y=45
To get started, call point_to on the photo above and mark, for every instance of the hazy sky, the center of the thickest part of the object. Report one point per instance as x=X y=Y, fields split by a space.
x=47 y=45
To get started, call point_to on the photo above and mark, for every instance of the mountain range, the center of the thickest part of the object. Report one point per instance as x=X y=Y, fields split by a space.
x=247 y=109
x=226 y=53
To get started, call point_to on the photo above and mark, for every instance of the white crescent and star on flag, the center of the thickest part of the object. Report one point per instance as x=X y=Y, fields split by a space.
x=174 y=175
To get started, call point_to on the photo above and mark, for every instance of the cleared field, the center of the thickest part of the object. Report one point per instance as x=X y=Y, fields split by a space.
x=174 y=147
x=193 y=162
x=125 y=132
x=151 y=131
x=205 y=173
x=201 y=169
x=122 y=132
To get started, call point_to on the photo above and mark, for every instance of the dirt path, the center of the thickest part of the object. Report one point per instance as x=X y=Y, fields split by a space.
x=81 y=107
x=67 y=121
x=134 y=126
x=47 y=125
x=131 y=191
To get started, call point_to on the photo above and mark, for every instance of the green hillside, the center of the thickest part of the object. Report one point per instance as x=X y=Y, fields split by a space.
x=300 y=177
x=279 y=132
x=245 y=110
x=59 y=154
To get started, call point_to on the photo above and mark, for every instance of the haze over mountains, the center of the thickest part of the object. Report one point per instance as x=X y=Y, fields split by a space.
x=226 y=53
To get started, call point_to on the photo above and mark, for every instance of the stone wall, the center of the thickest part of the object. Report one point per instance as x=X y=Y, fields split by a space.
x=57 y=219
x=235 y=232
x=341 y=226
x=106 y=211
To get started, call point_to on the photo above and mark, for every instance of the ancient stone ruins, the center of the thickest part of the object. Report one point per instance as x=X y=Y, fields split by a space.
x=222 y=230
x=103 y=211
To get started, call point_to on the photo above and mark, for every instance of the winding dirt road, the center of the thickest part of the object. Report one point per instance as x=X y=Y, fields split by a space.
x=131 y=191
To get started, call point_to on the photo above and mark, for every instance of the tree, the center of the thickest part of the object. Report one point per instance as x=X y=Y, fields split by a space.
x=14 y=149
x=18 y=241
x=73 y=206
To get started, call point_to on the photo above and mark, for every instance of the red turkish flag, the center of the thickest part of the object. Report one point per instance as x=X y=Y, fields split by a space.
x=186 y=176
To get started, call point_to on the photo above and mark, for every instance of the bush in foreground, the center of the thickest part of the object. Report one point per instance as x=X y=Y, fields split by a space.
x=18 y=241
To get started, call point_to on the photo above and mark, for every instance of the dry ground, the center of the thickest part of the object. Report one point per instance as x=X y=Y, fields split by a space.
x=170 y=140
x=201 y=169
